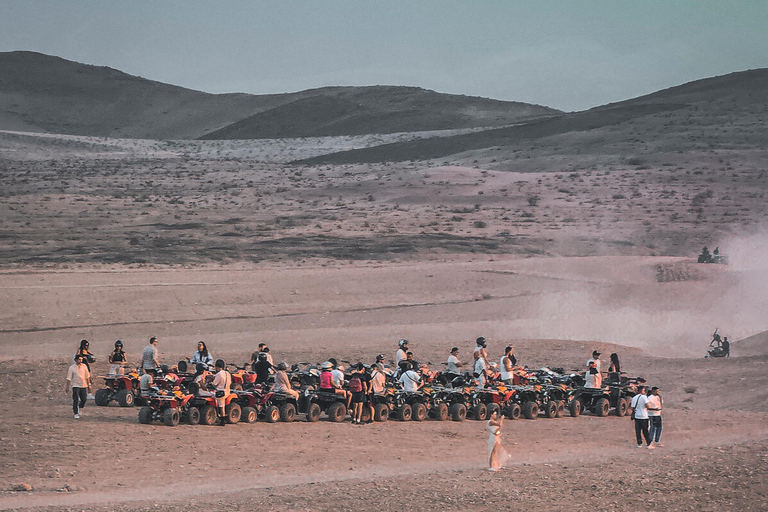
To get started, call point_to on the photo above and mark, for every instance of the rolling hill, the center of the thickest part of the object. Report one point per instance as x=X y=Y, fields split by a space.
x=42 y=93
x=728 y=111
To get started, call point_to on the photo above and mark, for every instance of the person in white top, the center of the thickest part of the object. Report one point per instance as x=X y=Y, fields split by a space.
x=505 y=364
x=411 y=381
x=654 y=416
x=453 y=363
x=639 y=406
x=338 y=381
x=596 y=380
x=402 y=351
x=222 y=382
x=79 y=379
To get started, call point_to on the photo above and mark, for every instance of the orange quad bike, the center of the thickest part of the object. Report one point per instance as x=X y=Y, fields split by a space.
x=168 y=407
x=122 y=388
x=205 y=403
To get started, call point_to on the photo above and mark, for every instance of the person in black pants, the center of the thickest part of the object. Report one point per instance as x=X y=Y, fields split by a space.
x=79 y=379
x=639 y=406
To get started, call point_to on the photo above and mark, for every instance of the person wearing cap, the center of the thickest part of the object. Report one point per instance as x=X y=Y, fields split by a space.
x=283 y=383
x=639 y=408
x=117 y=359
x=402 y=351
x=149 y=356
x=654 y=416
x=411 y=381
x=507 y=362
x=338 y=382
x=79 y=380
x=594 y=370
x=327 y=383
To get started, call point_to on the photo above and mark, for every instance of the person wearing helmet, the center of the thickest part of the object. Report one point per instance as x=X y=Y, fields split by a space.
x=283 y=383
x=481 y=360
x=117 y=359
x=202 y=355
x=402 y=351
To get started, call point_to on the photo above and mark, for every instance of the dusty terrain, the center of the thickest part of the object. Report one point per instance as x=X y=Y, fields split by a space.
x=574 y=234
x=715 y=421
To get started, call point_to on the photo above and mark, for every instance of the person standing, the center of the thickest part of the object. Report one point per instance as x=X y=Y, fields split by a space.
x=149 y=356
x=481 y=361
x=654 y=416
x=614 y=369
x=506 y=363
x=402 y=351
x=639 y=405
x=358 y=390
x=262 y=368
x=378 y=379
x=85 y=352
x=222 y=381
x=79 y=380
x=597 y=379
x=497 y=454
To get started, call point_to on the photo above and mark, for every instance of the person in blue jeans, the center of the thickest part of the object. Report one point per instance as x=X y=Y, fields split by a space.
x=654 y=416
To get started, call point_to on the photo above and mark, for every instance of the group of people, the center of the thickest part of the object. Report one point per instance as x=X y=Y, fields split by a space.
x=646 y=414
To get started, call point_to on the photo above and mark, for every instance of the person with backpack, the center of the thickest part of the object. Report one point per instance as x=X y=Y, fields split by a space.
x=411 y=381
x=358 y=389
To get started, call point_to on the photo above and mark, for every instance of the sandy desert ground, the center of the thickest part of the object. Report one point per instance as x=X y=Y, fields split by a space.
x=554 y=310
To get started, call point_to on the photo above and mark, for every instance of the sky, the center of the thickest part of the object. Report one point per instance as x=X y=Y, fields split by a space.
x=566 y=54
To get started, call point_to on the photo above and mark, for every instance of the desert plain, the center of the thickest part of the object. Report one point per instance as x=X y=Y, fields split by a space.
x=583 y=238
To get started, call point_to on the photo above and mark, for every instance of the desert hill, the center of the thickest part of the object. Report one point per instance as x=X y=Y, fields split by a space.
x=42 y=93
x=381 y=109
x=722 y=112
x=755 y=345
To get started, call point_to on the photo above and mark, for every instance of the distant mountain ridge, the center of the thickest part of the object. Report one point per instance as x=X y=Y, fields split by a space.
x=42 y=93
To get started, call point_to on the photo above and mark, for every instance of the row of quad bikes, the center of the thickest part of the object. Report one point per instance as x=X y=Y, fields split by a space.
x=544 y=392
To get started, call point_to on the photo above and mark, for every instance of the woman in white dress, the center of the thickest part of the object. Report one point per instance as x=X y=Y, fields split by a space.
x=497 y=454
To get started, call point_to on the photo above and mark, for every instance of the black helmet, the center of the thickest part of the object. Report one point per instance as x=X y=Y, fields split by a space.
x=199 y=368
x=165 y=368
x=481 y=341
x=118 y=343
x=402 y=343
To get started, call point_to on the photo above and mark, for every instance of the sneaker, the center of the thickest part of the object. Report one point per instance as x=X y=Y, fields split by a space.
x=658 y=444
x=91 y=397
x=492 y=469
x=639 y=446
x=77 y=416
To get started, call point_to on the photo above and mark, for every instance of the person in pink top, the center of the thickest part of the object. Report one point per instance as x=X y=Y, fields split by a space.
x=79 y=379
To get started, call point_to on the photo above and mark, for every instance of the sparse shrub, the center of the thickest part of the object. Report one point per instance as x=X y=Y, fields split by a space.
x=479 y=224
x=533 y=200
x=619 y=196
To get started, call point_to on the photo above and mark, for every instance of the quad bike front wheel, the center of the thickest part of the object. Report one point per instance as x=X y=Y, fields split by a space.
x=145 y=415
x=272 y=414
x=602 y=407
x=622 y=407
x=531 y=410
x=233 y=413
x=480 y=412
x=513 y=411
x=248 y=415
x=125 y=398
x=441 y=412
x=208 y=415
x=337 y=412
x=405 y=412
x=574 y=408
x=419 y=412
x=493 y=407
x=193 y=416
x=101 y=398
x=365 y=415
x=550 y=409
x=287 y=411
x=313 y=413
x=458 y=412
x=171 y=417
x=380 y=412
x=560 y=408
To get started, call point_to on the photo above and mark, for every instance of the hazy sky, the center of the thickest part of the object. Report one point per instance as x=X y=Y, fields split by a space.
x=566 y=54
